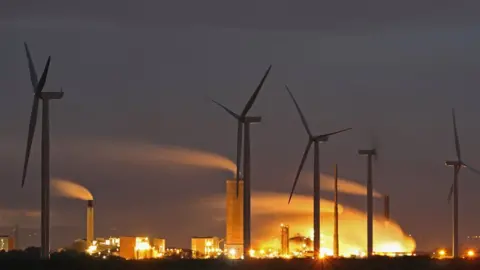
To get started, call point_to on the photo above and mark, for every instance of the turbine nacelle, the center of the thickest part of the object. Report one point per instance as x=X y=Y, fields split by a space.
x=320 y=139
x=51 y=95
x=251 y=119
x=367 y=152
x=454 y=164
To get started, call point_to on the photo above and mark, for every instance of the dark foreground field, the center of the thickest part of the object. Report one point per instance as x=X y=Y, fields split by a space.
x=69 y=263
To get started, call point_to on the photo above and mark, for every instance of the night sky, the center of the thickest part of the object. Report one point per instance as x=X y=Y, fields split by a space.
x=142 y=72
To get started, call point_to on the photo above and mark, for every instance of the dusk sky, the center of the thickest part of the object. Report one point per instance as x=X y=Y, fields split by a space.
x=142 y=72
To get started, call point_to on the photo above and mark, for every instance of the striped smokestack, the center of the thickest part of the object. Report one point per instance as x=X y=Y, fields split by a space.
x=386 y=206
x=89 y=222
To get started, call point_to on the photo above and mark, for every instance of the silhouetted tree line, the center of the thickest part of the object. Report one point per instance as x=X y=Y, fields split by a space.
x=73 y=260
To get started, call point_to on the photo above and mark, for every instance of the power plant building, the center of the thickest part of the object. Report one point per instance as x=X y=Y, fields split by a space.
x=7 y=243
x=234 y=222
x=137 y=248
x=205 y=247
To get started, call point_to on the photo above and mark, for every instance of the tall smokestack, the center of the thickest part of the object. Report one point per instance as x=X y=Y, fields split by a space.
x=89 y=222
x=284 y=239
x=234 y=223
x=386 y=206
x=335 y=223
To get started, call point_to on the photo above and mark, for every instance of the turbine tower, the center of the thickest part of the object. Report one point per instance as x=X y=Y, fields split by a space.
x=369 y=153
x=315 y=140
x=457 y=165
x=38 y=94
x=244 y=122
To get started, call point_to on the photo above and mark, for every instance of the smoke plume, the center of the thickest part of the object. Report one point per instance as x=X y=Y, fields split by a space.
x=327 y=183
x=151 y=154
x=271 y=203
x=72 y=190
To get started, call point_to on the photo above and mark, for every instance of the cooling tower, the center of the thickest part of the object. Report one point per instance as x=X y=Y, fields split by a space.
x=234 y=230
x=386 y=206
x=89 y=222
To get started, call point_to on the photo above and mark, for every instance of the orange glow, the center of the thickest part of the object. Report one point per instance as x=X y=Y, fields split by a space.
x=72 y=190
x=270 y=209
x=471 y=253
x=442 y=252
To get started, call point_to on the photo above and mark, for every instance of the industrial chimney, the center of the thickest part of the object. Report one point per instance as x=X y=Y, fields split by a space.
x=386 y=206
x=89 y=222
x=284 y=239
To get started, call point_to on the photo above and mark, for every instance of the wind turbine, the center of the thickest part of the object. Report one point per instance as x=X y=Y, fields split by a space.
x=38 y=94
x=316 y=173
x=457 y=165
x=245 y=121
x=372 y=152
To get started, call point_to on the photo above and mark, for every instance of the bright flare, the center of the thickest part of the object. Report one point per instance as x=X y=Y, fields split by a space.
x=270 y=209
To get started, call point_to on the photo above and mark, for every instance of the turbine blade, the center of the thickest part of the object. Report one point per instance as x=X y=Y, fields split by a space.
x=255 y=94
x=450 y=194
x=31 y=131
x=227 y=109
x=333 y=133
x=31 y=67
x=457 y=142
x=43 y=79
x=239 y=151
x=304 y=157
x=304 y=121
x=472 y=169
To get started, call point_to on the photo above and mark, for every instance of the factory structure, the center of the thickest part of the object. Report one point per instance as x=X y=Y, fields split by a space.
x=234 y=217
x=128 y=247
x=204 y=247
x=7 y=243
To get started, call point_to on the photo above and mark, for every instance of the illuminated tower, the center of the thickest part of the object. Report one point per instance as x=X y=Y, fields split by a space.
x=285 y=237
x=234 y=230
x=89 y=222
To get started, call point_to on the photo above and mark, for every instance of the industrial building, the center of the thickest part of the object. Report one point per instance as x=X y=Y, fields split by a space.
x=130 y=248
x=234 y=219
x=7 y=243
x=206 y=247
x=138 y=248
